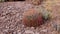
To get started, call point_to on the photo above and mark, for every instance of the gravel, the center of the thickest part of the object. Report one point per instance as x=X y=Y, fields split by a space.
x=10 y=20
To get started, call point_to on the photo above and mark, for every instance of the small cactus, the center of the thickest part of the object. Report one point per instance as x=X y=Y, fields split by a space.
x=33 y=18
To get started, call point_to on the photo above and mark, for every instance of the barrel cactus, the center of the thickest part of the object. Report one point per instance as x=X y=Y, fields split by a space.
x=33 y=18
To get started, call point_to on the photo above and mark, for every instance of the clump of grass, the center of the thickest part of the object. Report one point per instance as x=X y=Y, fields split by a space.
x=44 y=12
x=56 y=27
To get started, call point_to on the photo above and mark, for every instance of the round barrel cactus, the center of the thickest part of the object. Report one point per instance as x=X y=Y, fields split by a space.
x=34 y=18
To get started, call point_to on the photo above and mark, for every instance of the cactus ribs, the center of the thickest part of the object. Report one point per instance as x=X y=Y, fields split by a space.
x=32 y=18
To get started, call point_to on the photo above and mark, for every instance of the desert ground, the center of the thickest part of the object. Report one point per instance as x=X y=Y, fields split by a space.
x=11 y=14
